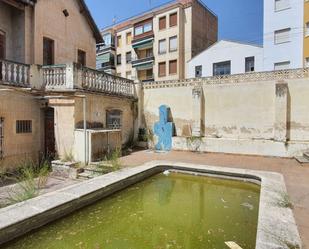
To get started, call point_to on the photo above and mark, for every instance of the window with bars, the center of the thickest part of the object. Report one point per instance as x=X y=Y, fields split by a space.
x=1 y=137
x=23 y=126
x=114 y=119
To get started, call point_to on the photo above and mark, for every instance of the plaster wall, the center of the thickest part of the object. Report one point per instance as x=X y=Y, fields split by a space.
x=69 y=33
x=20 y=106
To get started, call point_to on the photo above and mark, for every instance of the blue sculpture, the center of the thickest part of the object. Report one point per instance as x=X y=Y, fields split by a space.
x=163 y=130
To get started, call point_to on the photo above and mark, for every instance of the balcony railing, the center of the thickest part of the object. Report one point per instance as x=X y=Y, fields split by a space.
x=54 y=77
x=139 y=61
x=65 y=77
x=94 y=80
x=13 y=73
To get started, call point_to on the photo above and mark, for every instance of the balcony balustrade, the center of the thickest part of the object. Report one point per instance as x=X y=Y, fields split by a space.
x=13 y=73
x=66 y=77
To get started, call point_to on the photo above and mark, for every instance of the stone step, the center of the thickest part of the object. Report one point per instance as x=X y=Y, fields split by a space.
x=95 y=169
x=302 y=159
x=306 y=155
x=85 y=175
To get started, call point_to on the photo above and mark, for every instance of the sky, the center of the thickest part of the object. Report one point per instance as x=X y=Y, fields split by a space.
x=239 y=20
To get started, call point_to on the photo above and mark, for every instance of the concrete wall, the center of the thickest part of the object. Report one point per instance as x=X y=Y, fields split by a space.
x=226 y=51
x=291 y=17
x=69 y=33
x=263 y=117
x=20 y=106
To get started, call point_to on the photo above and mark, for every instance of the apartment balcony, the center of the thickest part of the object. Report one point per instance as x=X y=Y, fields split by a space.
x=63 y=78
x=103 y=48
x=147 y=78
x=143 y=41
x=145 y=62
x=107 y=66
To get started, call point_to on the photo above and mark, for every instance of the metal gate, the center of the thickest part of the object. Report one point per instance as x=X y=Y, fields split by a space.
x=1 y=137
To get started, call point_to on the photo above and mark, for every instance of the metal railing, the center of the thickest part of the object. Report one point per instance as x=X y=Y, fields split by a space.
x=94 y=80
x=14 y=73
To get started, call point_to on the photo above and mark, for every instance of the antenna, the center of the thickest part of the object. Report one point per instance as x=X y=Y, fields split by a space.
x=114 y=19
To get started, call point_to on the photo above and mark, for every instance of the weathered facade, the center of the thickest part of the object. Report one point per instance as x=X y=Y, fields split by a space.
x=54 y=31
x=48 y=90
x=259 y=113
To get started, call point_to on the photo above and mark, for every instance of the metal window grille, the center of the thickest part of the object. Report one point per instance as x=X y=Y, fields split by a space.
x=23 y=126
x=1 y=137
x=113 y=119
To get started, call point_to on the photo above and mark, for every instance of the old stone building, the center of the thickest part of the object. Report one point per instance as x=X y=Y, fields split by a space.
x=48 y=90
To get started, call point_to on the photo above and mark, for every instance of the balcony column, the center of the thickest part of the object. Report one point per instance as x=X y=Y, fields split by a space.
x=197 y=95
x=69 y=75
x=281 y=112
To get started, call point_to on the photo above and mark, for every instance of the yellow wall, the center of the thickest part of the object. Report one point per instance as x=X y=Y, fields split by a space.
x=306 y=20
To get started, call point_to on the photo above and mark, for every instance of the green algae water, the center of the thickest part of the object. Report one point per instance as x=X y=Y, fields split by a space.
x=162 y=212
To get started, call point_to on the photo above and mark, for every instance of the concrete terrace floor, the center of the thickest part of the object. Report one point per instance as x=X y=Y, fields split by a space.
x=296 y=175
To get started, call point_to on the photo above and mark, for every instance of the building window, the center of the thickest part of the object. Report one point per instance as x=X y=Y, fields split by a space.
x=307 y=62
x=282 y=65
x=138 y=30
x=48 y=51
x=118 y=59
x=173 y=43
x=162 y=46
x=250 y=64
x=282 y=36
x=198 y=71
x=281 y=4
x=119 y=41
x=1 y=137
x=173 y=19
x=129 y=75
x=107 y=38
x=2 y=45
x=129 y=38
x=222 y=68
x=113 y=119
x=162 y=69
x=173 y=67
x=147 y=27
x=81 y=57
x=307 y=29
x=128 y=57
x=162 y=23
x=23 y=126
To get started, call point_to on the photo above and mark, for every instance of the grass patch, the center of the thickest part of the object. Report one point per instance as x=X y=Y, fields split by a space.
x=30 y=178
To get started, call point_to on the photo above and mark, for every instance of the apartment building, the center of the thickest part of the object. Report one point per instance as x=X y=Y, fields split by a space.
x=306 y=33
x=226 y=57
x=156 y=45
x=283 y=34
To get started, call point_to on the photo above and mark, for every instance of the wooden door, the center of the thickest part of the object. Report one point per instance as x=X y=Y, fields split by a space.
x=48 y=51
x=2 y=45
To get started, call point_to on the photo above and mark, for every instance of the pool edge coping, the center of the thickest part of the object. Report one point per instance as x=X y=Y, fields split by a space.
x=276 y=225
